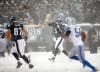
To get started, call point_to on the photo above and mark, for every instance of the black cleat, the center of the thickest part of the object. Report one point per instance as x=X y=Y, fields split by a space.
x=65 y=52
x=31 y=66
x=95 y=70
x=52 y=59
x=19 y=64
x=83 y=66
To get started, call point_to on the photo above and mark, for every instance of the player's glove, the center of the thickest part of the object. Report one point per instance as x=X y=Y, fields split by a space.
x=67 y=33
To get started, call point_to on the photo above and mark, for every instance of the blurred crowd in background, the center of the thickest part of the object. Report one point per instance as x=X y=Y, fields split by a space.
x=35 y=11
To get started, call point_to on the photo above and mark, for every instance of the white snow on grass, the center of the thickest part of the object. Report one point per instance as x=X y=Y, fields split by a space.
x=42 y=64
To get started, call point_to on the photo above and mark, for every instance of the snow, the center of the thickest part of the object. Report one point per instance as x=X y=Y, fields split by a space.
x=42 y=64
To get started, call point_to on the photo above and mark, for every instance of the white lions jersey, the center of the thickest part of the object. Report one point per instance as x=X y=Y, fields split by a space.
x=75 y=34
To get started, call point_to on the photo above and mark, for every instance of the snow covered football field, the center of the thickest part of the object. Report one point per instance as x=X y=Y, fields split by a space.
x=42 y=64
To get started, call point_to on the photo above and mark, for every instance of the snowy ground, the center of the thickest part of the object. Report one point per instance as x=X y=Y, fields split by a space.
x=42 y=64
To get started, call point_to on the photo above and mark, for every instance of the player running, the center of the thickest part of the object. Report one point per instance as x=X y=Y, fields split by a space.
x=58 y=28
x=15 y=29
x=77 y=53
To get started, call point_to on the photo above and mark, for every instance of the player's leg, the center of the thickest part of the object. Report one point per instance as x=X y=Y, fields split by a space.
x=58 y=45
x=74 y=57
x=21 y=49
x=72 y=54
x=27 y=60
x=2 y=54
x=81 y=56
x=17 y=58
x=88 y=64
x=15 y=54
x=9 y=45
x=65 y=52
x=69 y=49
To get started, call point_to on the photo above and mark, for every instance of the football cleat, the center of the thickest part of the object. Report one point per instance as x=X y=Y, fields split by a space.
x=31 y=66
x=52 y=59
x=95 y=70
x=83 y=66
x=19 y=64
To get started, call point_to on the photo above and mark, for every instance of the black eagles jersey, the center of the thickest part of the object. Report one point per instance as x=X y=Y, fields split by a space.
x=57 y=28
x=15 y=31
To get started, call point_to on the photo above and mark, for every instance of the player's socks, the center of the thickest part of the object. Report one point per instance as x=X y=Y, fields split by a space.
x=26 y=59
x=74 y=58
x=15 y=55
x=56 y=52
x=86 y=63
x=30 y=65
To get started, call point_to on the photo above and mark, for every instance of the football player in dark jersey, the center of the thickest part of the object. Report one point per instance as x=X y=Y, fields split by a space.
x=58 y=28
x=15 y=29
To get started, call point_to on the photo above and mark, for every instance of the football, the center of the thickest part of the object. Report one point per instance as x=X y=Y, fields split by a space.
x=83 y=34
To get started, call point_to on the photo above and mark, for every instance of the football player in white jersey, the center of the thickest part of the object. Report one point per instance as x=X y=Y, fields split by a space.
x=77 y=53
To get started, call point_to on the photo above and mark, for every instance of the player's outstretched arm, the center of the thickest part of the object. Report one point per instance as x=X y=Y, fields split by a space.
x=25 y=33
